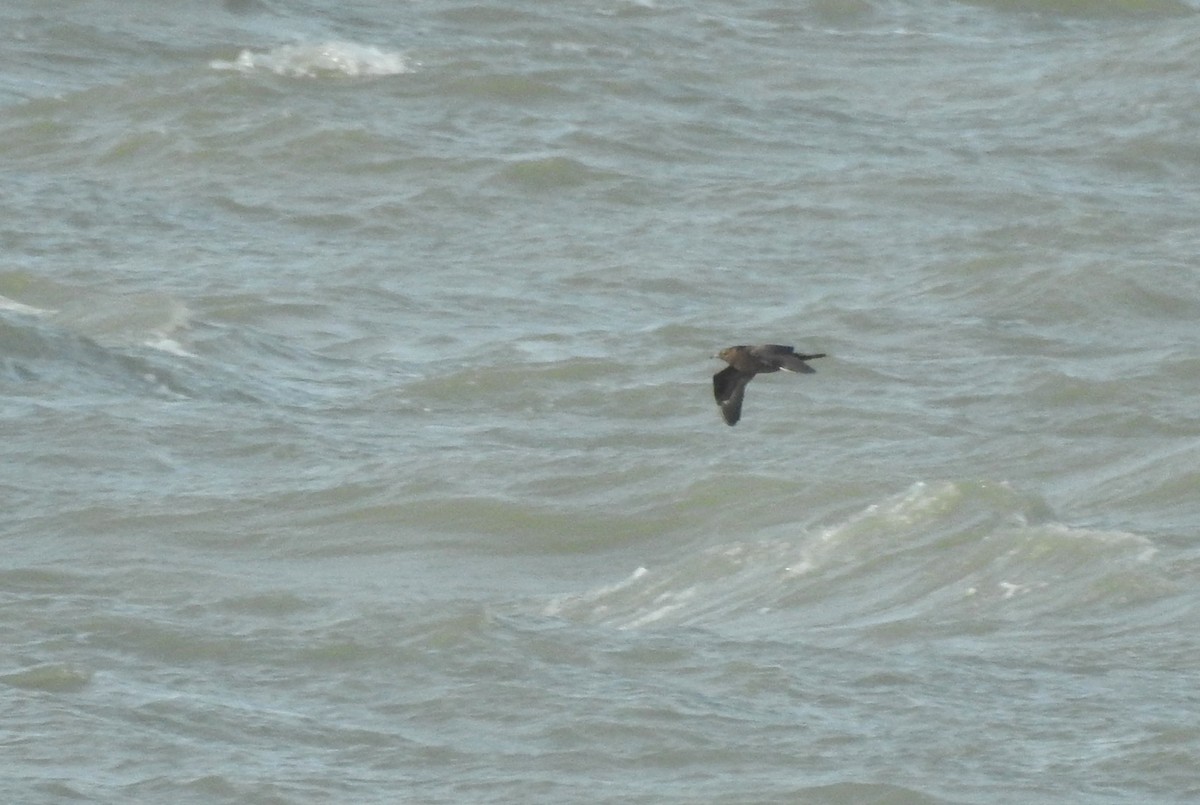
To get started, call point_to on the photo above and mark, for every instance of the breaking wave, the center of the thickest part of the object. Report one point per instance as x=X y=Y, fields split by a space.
x=326 y=58
x=940 y=555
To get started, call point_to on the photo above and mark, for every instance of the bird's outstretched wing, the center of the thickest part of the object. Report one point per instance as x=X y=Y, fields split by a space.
x=729 y=387
x=785 y=358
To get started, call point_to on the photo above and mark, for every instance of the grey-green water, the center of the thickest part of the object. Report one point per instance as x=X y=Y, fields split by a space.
x=358 y=438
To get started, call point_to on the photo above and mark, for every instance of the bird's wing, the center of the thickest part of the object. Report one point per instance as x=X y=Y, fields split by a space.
x=770 y=353
x=729 y=387
x=726 y=381
x=784 y=357
x=796 y=364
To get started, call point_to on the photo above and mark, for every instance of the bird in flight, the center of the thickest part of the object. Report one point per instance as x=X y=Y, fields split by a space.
x=729 y=384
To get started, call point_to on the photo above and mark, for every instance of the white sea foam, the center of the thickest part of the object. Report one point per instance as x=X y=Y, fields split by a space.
x=169 y=345
x=17 y=307
x=325 y=58
x=922 y=550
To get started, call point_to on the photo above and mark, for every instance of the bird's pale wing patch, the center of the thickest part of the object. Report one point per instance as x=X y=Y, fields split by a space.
x=731 y=409
x=796 y=363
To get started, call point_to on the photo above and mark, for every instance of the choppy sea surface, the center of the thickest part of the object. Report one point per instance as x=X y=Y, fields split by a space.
x=358 y=433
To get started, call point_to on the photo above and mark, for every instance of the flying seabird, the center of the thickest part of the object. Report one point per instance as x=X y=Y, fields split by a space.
x=729 y=384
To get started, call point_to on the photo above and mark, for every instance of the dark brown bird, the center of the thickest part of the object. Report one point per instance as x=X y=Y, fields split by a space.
x=729 y=384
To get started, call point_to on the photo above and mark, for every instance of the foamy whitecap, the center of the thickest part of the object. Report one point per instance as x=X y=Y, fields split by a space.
x=306 y=61
x=18 y=307
x=169 y=345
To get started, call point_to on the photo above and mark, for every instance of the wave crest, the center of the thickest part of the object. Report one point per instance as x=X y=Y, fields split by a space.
x=326 y=58
x=940 y=557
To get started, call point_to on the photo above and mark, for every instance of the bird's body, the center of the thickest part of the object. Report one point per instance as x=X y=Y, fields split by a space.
x=729 y=384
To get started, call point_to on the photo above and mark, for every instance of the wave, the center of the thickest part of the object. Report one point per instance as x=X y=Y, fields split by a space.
x=50 y=678
x=1091 y=9
x=40 y=353
x=943 y=556
x=68 y=337
x=326 y=58
x=60 y=336
x=14 y=306
x=155 y=320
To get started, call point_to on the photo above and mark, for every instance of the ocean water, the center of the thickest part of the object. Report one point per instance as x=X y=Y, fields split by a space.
x=358 y=434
